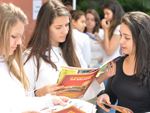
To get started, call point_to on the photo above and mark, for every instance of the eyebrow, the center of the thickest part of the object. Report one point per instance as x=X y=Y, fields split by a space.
x=61 y=25
x=125 y=34
x=16 y=33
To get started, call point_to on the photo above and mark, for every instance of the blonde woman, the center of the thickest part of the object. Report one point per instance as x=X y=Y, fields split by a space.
x=13 y=80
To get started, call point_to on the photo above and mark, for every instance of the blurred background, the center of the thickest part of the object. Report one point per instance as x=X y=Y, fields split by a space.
x=128 y=5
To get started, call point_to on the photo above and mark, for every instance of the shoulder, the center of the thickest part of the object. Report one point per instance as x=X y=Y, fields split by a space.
x=79 y=34
x=117 y=29
x=4 y=75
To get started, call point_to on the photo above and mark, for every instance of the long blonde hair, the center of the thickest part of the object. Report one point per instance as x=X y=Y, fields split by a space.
x=9 y=16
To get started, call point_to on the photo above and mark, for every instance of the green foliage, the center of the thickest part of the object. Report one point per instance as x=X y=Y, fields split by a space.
x=128 y=5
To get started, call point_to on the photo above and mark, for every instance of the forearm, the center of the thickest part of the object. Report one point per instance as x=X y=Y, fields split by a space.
x=106 y=41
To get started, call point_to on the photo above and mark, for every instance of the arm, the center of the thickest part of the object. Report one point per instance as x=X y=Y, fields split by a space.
x=97 y=85
x=42 y=86
x=31 y=72
x=110 y=45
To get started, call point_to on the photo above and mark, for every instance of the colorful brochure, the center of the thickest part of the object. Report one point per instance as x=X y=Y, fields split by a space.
x=118 y=108
x=77 y=80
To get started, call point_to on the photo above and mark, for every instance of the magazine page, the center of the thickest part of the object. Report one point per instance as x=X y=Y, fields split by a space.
x=118 y=108
x=77 y=84
x=73 y=70
x=104 y=65
x=74 y=105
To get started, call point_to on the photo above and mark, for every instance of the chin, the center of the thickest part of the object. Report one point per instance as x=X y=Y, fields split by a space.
x=62 y=41
x=11 y=52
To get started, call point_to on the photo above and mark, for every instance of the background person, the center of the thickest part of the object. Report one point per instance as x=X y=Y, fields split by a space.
x=93 y=27
x=113 y=12
x=81 y=40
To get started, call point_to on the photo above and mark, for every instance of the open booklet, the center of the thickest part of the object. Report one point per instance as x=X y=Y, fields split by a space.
x=77 y=80
x=118 y=108
x=73 y=106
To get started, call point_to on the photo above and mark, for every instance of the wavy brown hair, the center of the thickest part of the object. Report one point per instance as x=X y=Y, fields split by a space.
x=118 y=13
x=139 y=25
x=96 y=18
x=40 y=42
x=9 y=17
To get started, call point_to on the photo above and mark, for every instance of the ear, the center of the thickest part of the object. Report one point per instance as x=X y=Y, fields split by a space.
x=73 y=22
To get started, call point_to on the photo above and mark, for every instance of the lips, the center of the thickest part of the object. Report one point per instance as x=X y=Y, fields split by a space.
x=14 y=48
x=123 y=47
x=63 y=37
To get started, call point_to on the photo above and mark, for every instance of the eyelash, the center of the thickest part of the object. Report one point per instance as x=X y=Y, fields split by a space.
x=127 y=38
x=65 y=25
x=13 y=36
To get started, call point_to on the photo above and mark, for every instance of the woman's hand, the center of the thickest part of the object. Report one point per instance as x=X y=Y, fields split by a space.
x=52 y=89
x=99 y=39
x=108 y=73
x=105 y=24
x=60 y=100
x=103 y=98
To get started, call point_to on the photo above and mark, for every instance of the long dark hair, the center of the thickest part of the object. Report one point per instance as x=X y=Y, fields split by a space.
x=96 y=18
x=118 y=13
x=40 y=42
x=139 y=24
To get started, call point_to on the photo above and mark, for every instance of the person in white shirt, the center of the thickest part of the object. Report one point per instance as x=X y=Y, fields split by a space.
x=50 y=47
x=113 y=12
x=13 y=80
x=81 y=39
x=93 y=27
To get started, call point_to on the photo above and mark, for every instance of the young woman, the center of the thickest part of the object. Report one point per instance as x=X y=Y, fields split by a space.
x=81 y=40
x=131 y=83
x=93 y=27
x=113 y=13
x=13 y=80
x=51 y=46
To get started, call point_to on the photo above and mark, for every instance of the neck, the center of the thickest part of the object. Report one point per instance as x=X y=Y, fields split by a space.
x=89 y=30
x=131 y=58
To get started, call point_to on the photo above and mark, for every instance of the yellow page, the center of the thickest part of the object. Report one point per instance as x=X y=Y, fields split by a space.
x=66 y=71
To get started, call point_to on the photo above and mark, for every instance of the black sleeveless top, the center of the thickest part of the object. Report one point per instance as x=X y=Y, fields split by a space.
x=126 y=89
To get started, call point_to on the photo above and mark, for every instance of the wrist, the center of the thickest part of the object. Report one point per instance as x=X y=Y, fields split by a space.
x=35 y=93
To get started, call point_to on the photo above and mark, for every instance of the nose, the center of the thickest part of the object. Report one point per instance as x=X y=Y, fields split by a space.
x=65 y=30
x=105 y=16
x=19 y=41
x=121 y=40
x=84 y=24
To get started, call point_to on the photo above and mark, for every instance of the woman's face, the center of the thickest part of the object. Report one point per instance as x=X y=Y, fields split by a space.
x=59 y=30
x=108 y=14
x=90 y=21
x=16 y=34
x=126 y=40
x=79 y=24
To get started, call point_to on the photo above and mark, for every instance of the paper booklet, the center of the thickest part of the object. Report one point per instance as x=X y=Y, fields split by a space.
x=73 y=106
x=77 y=80
x=118 y=108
